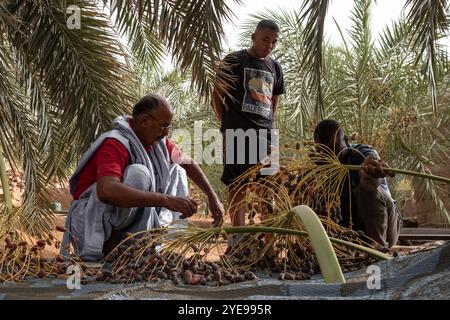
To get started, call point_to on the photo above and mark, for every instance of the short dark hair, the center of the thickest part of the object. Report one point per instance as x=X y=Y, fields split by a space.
x=146 y=104
x=269 y=24
x=326 y=130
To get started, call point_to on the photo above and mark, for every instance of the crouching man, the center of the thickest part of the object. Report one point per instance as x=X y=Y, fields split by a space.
x=129 y=181
x=366 y=201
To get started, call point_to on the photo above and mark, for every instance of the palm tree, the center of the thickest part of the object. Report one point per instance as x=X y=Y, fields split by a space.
x=60 y=87
x=426 y=22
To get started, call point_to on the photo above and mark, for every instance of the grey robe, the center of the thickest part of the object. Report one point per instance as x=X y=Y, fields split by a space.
x=90 y=222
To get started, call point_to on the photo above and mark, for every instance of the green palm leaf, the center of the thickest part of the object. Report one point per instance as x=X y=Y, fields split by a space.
x=427 y=21
x=314 y=12
x=132 y=20
x=59 y=88
x=190 y=30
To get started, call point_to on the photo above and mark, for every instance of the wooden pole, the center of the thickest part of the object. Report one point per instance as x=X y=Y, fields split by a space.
x=4 y=180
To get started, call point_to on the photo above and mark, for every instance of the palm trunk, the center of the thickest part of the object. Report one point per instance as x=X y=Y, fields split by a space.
x=4 y=180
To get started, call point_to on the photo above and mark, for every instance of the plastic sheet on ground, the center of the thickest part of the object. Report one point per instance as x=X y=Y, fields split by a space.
x=423 y=275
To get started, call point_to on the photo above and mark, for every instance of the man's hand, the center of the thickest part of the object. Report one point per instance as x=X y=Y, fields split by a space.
x=196 y=174
x=185 y=205
x=217 y=211
x=371 y=172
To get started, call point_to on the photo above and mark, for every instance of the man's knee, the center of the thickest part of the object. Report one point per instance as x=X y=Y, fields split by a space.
x=384 y=198
x=178 y=181
x=387 y=204
x=137 y=176
x=178 y=171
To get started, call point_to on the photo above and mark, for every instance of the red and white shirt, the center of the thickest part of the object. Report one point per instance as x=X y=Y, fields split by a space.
x=111 y=159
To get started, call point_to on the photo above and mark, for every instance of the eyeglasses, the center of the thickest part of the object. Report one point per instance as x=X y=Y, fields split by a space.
x=163 y=128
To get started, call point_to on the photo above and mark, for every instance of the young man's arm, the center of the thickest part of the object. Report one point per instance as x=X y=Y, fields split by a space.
x=224 y=76
x=111 y=163
x=279 y=88
x=111 y=190
x=372 y=172
x=275 y=102
x=217 y=103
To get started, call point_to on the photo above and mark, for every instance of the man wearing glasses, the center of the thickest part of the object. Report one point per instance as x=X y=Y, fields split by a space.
x=132 y=178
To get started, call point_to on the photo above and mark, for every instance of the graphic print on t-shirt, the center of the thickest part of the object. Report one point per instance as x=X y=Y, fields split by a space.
x=258 y=86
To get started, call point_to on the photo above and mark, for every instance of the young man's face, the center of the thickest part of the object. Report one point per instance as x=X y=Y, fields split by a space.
x=337 y=142
x=264 y=41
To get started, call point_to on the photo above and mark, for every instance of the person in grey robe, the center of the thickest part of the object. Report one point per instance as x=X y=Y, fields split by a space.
x=148 y=192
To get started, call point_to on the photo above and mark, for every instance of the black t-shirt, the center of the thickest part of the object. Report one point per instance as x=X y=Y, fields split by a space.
x=252 y=84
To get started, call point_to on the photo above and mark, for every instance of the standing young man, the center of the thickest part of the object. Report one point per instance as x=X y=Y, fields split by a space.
x=245 y=99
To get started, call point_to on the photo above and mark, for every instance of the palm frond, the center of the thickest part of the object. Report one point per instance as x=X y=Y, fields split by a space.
x=193 y=31
x=425 y=157
x=190 y=30
x=358 y=81
x=135 y=21
x=79 y=67
x=392 y=39
x=314 y=12
x=19 y=125
x=362 y=44
x=58 y=89
x=6 y=18
x=174 y=86
x=427 y=21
